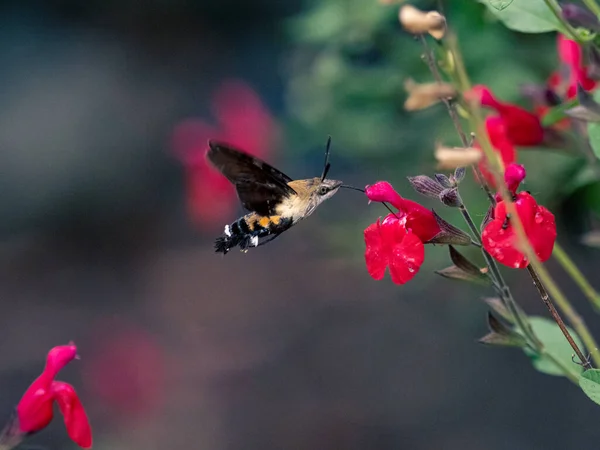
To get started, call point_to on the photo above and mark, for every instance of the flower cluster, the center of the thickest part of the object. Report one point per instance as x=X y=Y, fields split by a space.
x=397 y=241
x=35 y=409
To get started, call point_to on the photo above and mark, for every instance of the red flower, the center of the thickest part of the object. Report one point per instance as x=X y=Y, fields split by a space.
x=397 y=242
x=571 y=56
x=391 y=244
x=417 y=218
x=499 y=237
x=34 y=411
x=521 y=126
x=513 y=176
x=497 y=135
x=244 y=122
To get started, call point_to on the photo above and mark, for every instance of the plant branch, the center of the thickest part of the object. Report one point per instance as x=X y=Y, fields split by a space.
x=555 y=8
x=522 y=239
x=569 y=266
x=556 y=316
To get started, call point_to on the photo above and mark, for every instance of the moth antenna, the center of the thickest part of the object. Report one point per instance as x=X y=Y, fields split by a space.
x=326 y=166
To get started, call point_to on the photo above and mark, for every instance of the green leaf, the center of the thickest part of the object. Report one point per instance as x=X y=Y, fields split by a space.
x=555 y=344
x=526 y=16
x=594 y=131
x=589 y=381
x=500 y=4
x=558 y=113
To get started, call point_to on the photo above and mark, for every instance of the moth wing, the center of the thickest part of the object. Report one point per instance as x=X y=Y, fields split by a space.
x=259 y=186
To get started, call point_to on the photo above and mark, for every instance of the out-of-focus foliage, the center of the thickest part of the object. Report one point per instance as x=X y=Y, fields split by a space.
x=527 y=16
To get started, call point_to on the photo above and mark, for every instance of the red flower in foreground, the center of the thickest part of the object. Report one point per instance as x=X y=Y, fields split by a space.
x=35 y=410
x=397 y=241
x=499 y=238
x=417 y=218
x=391 y=244
x=245 y=122
x=501 y=144
x=521 y=126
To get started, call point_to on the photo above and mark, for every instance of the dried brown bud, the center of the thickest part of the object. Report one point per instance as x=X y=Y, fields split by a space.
x=416 y=21
x=453 y=157
x=421 y=96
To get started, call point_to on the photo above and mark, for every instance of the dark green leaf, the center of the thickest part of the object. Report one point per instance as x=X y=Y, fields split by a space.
x=555 y=344
x=454 y=273
x=463 y=263
x=449 y=234
x=558 y=113
x=500 y=334
x=589 y=381
x=526 y=16
x=497 y=305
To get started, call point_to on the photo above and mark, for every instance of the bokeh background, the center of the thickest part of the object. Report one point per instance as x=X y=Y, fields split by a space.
x=107 y=219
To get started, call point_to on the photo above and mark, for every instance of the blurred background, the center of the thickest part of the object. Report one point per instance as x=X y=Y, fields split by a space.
x=109 y=213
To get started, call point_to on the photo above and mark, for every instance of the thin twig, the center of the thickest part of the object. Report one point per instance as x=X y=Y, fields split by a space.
x=556 y=316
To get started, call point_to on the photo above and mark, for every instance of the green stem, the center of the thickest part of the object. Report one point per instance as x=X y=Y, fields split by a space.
x=570 y=374
x=519 y=316
x=567 y=263
x=592 y=6
x=555 y=8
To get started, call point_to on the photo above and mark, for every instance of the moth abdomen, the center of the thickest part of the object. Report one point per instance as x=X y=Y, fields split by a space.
x=247 y=230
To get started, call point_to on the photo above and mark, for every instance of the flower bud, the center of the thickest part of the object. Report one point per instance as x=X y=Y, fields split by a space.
x=513 y=176
x=588 y=109
x=580 y=17
x=421 y=96
x=443 y=180
x=453 y=157
x=416 y=21
x=426 y=186
x=459 y=174
x=450 y=197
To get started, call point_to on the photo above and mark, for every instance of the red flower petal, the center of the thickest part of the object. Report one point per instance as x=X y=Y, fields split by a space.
x=407 y=258
x=374 y=254
x=34 y=410
x=388 y=243
x=382 y=191
x=522 y=127
x=76 y=421
x=514 y=175
x=499 y=237
x=418 y=218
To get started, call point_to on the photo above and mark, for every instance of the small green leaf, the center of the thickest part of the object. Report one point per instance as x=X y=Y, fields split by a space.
x=500 y=4
x=555 y=344
x=526 y=16
x=502 y=335
x=497 y=306
x=558 y=113
x=589 y=381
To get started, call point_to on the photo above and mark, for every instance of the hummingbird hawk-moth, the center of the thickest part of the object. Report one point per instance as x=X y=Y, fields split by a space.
x=275 y=201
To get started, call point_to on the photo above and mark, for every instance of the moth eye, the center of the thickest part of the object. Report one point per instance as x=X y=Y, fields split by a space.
x=322 y=190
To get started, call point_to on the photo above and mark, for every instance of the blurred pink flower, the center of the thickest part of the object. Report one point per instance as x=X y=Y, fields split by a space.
x=125 y=370
x=243 y=121
x=35 y=410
